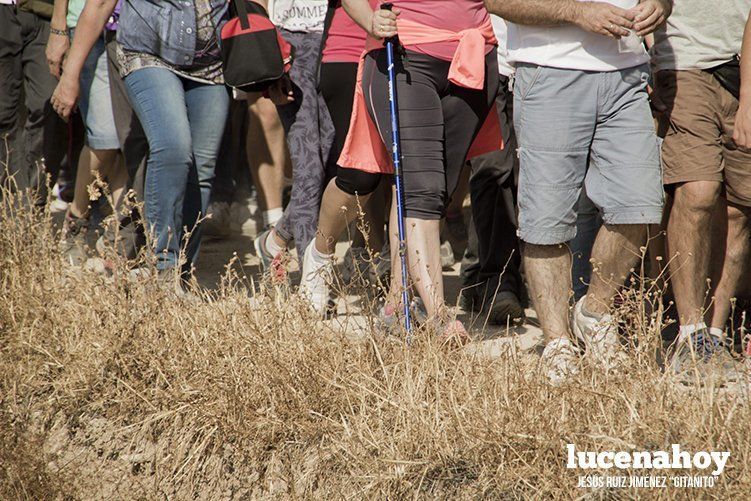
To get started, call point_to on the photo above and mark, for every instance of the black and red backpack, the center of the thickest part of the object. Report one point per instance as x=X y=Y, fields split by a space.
x=254 y=54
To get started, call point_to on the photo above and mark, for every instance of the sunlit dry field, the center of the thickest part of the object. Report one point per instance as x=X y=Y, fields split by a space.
x=113 y=388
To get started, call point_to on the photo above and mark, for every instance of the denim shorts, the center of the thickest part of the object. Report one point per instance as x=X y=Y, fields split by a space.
x=95 y=102
x=581 y=128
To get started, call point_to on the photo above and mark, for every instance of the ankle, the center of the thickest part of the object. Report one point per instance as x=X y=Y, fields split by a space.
x=321 y=246
x=75 y=213
x=594 y=308
x=274 y=243
x=687 y=330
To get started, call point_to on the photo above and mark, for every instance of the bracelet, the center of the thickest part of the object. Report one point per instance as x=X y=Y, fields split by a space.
x=62 y=33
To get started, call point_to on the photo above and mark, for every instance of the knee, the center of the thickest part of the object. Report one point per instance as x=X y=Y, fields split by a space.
x=698 y=197
x=357 y=182
x=427 y=202
x=171 y=151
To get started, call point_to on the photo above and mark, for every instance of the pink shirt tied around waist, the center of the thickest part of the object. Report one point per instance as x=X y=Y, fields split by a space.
x=364 y=149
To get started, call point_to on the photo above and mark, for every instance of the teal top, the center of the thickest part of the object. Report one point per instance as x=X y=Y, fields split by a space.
x=75 y=7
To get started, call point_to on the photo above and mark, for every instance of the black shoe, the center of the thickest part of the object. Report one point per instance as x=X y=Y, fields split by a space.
x=502 y=309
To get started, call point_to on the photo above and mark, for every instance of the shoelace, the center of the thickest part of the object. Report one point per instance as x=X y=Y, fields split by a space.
x=705 y=345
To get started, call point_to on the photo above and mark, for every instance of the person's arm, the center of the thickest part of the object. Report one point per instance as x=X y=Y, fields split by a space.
x=650 y=14
x=379 y=24
x=58 y=43
x=596 y=17
x=90 y=26
x=742 y=129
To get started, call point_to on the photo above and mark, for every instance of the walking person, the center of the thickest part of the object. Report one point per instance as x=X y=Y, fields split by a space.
x=174 y=80
x=491 y=279
x=24 y=32
x=582 y=117
x=100 y=156
x=309 y=131
x=441 y=113
x=705 y=170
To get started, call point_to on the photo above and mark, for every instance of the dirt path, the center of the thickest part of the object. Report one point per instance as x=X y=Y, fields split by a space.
x=491 y=341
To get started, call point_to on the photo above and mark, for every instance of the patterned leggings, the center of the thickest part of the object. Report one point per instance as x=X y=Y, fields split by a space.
x=310 y=135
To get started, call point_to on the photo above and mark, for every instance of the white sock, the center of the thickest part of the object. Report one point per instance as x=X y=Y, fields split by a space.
x=271 y=246
x=319 y=258
x=272 y=216
x=686 y=330
x=717 y=332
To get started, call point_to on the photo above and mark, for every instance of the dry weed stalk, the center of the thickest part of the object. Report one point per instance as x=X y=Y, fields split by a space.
x=113 y=388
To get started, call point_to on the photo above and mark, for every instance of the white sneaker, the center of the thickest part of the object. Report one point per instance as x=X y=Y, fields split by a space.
x=600 y=336
x=314 y=284
x=560 y=361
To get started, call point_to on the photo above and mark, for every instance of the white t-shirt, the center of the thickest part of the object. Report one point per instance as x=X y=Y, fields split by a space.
x=700 y=34
x=571 y=47
x=305 y=16
x=501 y=33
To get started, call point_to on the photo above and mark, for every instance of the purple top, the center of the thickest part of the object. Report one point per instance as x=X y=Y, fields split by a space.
x=112 y=21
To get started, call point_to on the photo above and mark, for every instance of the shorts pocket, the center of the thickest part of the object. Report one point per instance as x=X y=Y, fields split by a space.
x=525 y=79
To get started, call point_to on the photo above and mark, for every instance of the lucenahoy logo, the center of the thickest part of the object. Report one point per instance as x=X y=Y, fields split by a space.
x=650 y=460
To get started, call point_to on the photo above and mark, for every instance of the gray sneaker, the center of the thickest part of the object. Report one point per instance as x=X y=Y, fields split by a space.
x=701 y=357
x=73 y=242
x=357 y=266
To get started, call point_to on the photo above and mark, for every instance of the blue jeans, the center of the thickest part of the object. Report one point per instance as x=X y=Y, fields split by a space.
x=183 y=121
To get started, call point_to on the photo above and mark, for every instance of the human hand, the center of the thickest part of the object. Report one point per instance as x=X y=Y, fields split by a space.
x=57 y=47
x=383 y=23
x=604 y=19
x=742 y=128
x=65 y=97
x=648 y=16
x=281 y=92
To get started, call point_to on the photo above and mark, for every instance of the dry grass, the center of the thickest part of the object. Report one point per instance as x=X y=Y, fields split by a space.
x=113 y=388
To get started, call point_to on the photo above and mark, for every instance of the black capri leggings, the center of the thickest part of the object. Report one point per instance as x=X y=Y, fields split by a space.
x=438 y=122
x=337 y=86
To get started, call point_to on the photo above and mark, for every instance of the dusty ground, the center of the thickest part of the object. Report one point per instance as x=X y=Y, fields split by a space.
x=491 y=339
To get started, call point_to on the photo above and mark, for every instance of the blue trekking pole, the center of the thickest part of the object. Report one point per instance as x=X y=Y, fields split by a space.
x=396 y=149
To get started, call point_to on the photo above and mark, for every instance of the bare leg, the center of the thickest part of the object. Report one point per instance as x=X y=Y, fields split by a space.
x=548 y=270
x=689 y=246
x=614 y=254
x=735 y=263
x=375 y=217
x=423 y=261
x=267 y=151
x=90 y=163
x=117 y=180
x=338 y=209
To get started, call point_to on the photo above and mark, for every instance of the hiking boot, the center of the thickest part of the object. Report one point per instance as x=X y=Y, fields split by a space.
x=316 y=277
x=73 y=242
x=599 y=335
x=560 y=361
x=218 y=222
x=275 y=266
x=701 y=356
x=502 y=309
